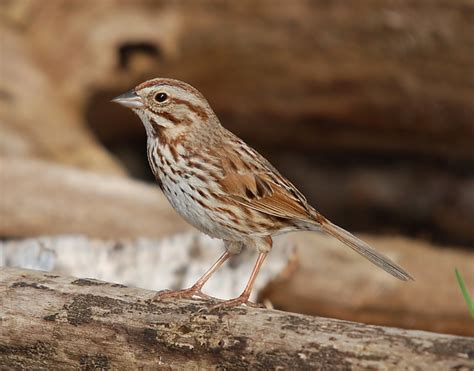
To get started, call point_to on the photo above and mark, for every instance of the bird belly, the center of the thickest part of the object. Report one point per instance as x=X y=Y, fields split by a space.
x=195 y=210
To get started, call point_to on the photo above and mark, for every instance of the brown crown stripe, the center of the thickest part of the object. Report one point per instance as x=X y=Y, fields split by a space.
x=170 y=82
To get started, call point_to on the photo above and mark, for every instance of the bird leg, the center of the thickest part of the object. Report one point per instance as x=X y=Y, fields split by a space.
x=244 y=297
x=195 y=290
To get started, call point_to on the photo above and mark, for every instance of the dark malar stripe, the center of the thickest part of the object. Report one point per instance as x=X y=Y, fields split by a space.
x=202 y=194
x=155 y=168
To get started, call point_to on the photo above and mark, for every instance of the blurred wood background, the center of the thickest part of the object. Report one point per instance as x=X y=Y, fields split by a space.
x=367 y=107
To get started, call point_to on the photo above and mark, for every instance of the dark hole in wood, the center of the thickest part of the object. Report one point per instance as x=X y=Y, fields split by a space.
x=128 y=51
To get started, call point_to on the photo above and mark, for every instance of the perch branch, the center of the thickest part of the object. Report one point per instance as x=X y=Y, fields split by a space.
x=61 y=322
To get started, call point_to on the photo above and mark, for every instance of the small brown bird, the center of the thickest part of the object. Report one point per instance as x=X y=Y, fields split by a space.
x=222 y=186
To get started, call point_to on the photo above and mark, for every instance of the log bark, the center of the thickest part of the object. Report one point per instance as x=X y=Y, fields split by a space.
x=156 y=264
x=62 y=322
x=304 y=273
x=45 y=198
x=329 y=280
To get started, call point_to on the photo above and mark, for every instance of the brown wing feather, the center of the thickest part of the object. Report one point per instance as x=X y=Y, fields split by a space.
x=250 y=180
x=258 y=185
x=265 y=191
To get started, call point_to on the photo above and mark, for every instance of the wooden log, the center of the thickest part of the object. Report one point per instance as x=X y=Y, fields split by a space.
x=44 y=198
x=305 y=273
x=329 y=280
x=57 y=322
x=155 y=264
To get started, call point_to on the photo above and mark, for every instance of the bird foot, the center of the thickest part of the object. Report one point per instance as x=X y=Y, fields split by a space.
x=234 y=303
x=181 y=294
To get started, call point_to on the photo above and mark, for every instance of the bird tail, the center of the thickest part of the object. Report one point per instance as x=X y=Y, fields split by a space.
x=364 y=249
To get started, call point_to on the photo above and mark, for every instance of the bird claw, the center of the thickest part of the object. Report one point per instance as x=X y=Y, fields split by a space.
x=234 y=303
x=181 y=294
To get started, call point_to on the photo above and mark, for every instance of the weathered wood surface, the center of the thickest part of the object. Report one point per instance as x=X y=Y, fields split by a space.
x=305 y=273
x=62 y=322
x=44 y=198
x=329 y=280
x=174 y=263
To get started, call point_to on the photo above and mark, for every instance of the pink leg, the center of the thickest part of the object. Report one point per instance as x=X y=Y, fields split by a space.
x=244 y=297
x=195 y=290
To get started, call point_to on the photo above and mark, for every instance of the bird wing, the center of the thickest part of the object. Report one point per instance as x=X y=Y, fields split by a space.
x=253 y=182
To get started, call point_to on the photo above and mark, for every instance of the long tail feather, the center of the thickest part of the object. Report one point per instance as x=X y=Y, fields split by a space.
x=365 y=250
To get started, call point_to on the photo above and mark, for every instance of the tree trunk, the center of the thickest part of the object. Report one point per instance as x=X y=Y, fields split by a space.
x=58 y=322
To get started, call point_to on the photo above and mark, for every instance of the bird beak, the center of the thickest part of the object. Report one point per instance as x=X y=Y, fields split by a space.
x=130 y=99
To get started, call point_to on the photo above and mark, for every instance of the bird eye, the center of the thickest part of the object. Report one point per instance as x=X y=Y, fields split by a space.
x=161 y=97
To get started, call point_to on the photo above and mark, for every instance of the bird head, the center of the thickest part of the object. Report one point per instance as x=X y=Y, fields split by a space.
x=167 y=105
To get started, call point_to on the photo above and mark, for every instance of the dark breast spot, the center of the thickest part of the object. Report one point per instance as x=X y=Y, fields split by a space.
x=174 y=153
x=202 y=194
x=201 y=177
x=195 y=165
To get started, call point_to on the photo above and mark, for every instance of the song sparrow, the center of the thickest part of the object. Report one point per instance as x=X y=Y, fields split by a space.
x=222 y=186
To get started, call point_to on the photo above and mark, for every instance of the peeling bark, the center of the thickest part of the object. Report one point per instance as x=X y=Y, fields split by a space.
x=62 y=322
